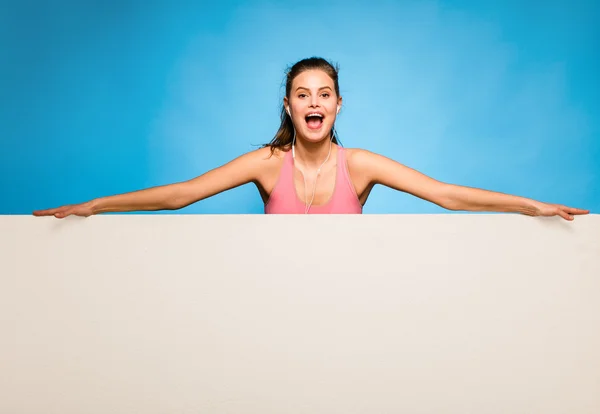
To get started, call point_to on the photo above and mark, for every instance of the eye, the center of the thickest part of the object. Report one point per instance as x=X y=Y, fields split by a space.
x=325 y=95
x=302 y=95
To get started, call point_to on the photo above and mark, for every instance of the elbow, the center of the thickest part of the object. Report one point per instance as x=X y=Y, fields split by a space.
x=455 y=204
x=451 y=204
x=457 y=198
x=172 y=205
x=178 y=198
x=176 y=203
x=448 y=200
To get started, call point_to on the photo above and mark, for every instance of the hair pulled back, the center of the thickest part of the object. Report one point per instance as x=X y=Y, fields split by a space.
x=285 y=134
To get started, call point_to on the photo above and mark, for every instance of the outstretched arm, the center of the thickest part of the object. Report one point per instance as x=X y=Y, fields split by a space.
x=241 y=170
x=382 y=170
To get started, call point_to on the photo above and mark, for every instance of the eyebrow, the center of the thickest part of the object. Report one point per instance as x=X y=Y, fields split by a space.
x=321 y=88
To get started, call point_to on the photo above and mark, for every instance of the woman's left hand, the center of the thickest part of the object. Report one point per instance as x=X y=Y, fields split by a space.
x=568 y=213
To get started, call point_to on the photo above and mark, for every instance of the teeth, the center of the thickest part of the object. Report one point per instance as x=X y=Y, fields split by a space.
x=315 y=114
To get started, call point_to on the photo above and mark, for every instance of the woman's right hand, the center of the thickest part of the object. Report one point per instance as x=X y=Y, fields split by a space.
x=82 y=210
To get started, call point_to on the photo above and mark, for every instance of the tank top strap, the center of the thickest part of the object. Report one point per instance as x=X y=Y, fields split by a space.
x=287 y=169
x=343 y=173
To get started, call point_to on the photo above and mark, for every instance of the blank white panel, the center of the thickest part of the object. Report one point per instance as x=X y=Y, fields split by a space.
x=456 y=313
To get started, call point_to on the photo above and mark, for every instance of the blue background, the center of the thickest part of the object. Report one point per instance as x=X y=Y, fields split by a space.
x=104 y=97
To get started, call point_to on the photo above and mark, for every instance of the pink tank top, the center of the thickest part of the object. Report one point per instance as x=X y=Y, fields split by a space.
x=284 y=200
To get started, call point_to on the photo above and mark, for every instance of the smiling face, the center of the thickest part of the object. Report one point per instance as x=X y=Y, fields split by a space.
x=313 y=104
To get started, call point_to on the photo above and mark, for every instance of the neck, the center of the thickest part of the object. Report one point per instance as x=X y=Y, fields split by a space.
x=313 y=154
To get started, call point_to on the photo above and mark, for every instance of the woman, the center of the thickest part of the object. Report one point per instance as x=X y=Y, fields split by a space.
x=304 y=170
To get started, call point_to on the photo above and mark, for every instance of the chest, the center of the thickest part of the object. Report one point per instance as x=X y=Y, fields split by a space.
x=308 y=186
x=304 y=182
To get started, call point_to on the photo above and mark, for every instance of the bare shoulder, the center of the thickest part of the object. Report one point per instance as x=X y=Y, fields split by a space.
x=266 y=157
x=259 y=158
x=250 y=166
x=374 y=167
x=266 y=164
x=361 y=160
x=266 y=153
x=379 y=169
x=358 y=155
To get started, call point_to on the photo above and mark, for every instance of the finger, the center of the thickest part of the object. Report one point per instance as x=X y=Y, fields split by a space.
x=564 y=214
x=572 y=210
x=62 y=214
x=47 y=212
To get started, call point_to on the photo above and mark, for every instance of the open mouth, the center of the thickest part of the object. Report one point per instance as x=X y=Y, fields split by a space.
x=314 y=120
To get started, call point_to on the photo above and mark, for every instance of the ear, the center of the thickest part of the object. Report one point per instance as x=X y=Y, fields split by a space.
x=286 y=104
x=339 y=104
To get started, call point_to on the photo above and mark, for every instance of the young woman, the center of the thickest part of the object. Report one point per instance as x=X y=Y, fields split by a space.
x=304 y=170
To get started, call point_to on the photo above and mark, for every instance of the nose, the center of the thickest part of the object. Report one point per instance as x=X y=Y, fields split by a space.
x=314 y=100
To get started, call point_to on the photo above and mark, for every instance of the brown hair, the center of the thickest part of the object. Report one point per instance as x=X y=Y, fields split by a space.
x=284 y=136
